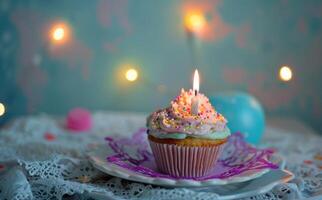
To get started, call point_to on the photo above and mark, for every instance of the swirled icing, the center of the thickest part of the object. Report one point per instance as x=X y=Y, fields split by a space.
x=211 y=136
x=178 y=120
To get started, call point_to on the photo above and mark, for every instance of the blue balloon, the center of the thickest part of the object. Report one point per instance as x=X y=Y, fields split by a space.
x=243 y=112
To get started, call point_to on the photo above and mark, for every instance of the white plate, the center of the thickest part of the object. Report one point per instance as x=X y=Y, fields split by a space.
x=98 y=155
x=250 y=188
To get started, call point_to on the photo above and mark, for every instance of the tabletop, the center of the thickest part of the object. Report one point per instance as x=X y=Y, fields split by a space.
x=40 y=159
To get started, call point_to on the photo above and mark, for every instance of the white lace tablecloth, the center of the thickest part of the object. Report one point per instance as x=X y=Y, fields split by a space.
x=39 y=159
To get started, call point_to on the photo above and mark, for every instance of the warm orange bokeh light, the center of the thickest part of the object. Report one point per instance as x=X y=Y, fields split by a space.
x=195 y=22
x=59 y=32
x=203 y=20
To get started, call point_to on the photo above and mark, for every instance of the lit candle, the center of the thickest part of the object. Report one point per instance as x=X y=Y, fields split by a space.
x=195 y=99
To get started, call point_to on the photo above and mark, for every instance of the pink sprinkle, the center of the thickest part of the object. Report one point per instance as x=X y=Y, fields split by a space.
x=49 y=136
x=79 y=119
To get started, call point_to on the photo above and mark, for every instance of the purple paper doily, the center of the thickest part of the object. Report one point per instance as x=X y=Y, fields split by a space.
x=134 y=154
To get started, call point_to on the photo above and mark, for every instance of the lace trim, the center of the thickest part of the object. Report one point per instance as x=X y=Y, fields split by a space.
x=32 y=167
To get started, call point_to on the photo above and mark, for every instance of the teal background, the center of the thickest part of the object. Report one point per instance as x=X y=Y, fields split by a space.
x=247 y=42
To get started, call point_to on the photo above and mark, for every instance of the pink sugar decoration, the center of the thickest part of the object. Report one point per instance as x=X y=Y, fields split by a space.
x=79 y=119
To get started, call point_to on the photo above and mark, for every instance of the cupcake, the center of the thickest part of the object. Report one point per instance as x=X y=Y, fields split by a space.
x=187 y=137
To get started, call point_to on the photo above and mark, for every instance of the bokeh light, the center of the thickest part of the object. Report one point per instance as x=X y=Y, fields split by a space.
x=285 y=73
x=131 y=74
x=195 y=22
x=2 y=109
x=59 y=32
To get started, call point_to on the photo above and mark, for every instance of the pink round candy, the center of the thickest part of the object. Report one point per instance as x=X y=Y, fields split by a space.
x=79 y=119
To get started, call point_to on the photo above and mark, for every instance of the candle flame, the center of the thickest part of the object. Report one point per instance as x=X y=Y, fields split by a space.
x=196 y=81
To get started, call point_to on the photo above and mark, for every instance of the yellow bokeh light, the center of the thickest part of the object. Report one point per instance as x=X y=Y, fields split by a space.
x=195 y=22
x=58 y=33
x=2 y=109
x=285 y=73
x=131 y=74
